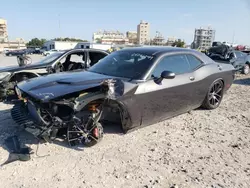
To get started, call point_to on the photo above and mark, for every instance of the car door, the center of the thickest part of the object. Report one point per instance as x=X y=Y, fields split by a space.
x=236 y=59
x=171 y=96
x=199 y=84
x=240 y=57
x=94 y=56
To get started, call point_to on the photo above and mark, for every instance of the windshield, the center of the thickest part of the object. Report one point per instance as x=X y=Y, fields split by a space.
x=50 y=58
x=126 y=64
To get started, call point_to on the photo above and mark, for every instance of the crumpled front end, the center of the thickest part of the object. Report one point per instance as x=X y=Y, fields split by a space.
x=79 y=112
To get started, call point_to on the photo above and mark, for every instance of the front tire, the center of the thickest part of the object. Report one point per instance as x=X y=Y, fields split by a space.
x=90 y=138
x=246 y=69
x=214 y=95
x=95 y=136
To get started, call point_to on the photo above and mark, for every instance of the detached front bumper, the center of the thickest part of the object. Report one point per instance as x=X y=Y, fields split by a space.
x=21 y=116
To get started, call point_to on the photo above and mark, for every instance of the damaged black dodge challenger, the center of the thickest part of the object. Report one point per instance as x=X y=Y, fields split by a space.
x=134 y=87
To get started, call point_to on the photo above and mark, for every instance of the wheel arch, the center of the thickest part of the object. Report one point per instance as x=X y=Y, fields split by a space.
x=111 y=105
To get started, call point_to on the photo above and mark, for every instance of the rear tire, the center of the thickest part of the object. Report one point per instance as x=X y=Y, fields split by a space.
x=214 y=95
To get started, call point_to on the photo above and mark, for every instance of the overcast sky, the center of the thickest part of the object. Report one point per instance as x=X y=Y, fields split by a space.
x=80 y=18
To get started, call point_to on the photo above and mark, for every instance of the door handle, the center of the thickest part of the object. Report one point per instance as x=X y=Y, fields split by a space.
x=191 y=78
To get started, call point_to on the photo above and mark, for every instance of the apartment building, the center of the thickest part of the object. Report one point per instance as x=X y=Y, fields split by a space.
x=132 y=37
x=143 y=32
x=3 y=30
x=203 y=38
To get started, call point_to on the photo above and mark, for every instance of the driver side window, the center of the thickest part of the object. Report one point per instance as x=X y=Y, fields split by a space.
x=177 y=64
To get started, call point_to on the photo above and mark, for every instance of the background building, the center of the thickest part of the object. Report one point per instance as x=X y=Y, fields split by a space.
x=132 y=37
x=203 y=38
x=18 y=44
x=59 y=45
x=110 y=37
x=170 y=41
x=143 y=32
x=3 y=30
x=158 y=39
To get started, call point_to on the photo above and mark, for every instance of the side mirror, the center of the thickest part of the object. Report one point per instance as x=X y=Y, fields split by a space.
x=165 y=75
x=168 y=75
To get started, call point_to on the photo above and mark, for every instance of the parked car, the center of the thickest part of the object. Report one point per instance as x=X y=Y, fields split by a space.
x=136 y=86
x=49 y=52
x=70 y=60
x=33 y=51
x=16 y=52
x=240 y=60
x=246 y=51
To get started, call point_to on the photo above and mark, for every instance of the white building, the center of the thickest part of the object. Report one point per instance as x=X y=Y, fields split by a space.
x=143 y=32
x=83 y=45
x=109 y=37
x=60 y=45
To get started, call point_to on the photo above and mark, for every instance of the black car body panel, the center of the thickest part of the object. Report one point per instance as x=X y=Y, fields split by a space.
x=140 y=97
x=61 y=84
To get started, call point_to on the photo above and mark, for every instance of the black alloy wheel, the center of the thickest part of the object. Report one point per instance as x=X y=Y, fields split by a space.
x=214 y=95
x=76 y=135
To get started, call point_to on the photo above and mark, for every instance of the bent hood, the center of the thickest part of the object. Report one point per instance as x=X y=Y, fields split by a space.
x=49 y=87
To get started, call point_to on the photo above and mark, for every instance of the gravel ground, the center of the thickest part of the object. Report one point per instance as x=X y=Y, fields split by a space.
x=197 y=149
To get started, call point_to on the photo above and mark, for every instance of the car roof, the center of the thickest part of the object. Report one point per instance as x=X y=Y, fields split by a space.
x=155 y=50
x=158 y=51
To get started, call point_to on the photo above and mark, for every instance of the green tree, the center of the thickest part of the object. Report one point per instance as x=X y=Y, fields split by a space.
x=98 y=41
x=36 y=42
x=179 y=43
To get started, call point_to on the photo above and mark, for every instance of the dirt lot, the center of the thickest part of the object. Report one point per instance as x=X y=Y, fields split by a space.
x=197 y=149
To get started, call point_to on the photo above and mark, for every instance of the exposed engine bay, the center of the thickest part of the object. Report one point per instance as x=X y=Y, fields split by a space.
x=80 y=114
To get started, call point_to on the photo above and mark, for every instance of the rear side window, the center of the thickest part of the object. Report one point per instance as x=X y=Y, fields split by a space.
x=175 y=63
x=193 y=61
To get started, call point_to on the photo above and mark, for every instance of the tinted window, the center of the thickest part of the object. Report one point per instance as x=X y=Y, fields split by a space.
x=238 y=54
x=127 y=64
x=94 y=57
x=176 y=63
x=193 y=61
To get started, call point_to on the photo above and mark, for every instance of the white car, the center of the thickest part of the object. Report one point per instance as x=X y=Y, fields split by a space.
x=46 y=53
